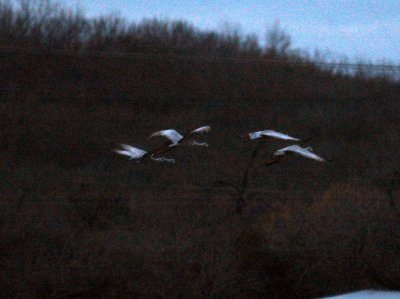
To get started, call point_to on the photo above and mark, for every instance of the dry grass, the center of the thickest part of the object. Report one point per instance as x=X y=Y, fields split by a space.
x=340 y=240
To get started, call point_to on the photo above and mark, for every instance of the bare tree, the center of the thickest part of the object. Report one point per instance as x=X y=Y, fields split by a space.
x=277 y=41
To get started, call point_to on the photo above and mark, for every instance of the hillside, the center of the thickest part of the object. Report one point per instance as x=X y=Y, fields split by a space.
x=80 y=221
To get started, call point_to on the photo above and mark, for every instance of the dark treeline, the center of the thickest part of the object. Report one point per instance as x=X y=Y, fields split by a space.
x=42 y=25
x=45 y=24
x=77 y=220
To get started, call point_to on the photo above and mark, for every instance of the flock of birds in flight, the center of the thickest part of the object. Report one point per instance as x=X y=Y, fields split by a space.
x=175 y=139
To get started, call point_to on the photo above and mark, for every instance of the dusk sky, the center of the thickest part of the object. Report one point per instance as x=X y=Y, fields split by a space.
x=358 y=29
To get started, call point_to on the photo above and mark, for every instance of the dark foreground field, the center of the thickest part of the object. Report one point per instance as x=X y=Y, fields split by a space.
x=79 y=221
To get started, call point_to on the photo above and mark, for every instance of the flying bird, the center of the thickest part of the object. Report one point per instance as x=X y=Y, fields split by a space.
x=133 y=153
x=269 y=134
x=293 y=149
x=139 y=155
x=175 y=138
x=302 y=151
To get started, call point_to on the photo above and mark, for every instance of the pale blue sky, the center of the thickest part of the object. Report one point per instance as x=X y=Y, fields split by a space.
x=359 y=29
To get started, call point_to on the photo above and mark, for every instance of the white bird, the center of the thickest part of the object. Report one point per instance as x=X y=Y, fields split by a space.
x=270 y=134
x=371 y=294
x=175 y=138
x=202 y=130
x=305 y=152
x=133 y=152
x=170 y=134
x=138 y=154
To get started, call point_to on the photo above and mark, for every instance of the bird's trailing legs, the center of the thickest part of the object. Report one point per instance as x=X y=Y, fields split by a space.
x=162 y=159
x=194 y=142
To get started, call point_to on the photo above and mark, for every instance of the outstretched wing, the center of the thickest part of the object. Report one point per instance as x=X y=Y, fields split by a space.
x=305 y=152
x=188 y=137
x=170 y=134
x=201 y=130
x=271 y=134
x=130 y=151
x=277 y=135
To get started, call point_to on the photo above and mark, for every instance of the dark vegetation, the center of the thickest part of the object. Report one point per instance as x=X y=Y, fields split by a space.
x=78 y=221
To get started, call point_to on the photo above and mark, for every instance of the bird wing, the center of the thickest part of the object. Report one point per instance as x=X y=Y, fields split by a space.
x=201 y=130
x=122 y=152
x=305 y=152
x=188 y=137
x=255 y=135
x=171 y=134
x=133 y=152
x=278 y=135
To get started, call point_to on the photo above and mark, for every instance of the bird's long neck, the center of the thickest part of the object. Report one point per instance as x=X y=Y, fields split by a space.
x=160 y=150
x=274 y=160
